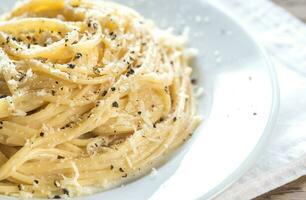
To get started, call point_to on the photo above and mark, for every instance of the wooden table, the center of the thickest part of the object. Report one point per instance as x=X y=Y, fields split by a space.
x=297 y=189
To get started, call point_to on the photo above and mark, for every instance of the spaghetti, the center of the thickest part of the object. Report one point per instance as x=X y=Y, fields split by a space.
x=91 y=95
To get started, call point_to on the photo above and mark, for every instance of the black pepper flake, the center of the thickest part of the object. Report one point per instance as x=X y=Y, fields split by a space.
x=29 y=46
x=171 y=62
x=121 y=170
x=14 y=39
x=174 y=119
x=154 y=125
x=124 y=176
x=36 y=181
x=254 y=113
x=42 y=134
x=113 y=89
x=89 y=24
x=77 y=56
x=53 y=92
x=139 y=112
x=1 y=122
x=19 y=187
x=22 y=76
x=115 y=104
x=112 y=167
x=57 y=197
x=104 y=93
x=17 y=49
x=60 y=157
x=95 y=25
x=7 y=39
x=60 y=33
x=194 y=81
x=130 y=72
x=114 y=37
x=3 y=96
x=56 y=82
x=71 y=66
x=65 y=191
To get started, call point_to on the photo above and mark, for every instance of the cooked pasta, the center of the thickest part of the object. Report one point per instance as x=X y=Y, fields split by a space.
x=92 y=96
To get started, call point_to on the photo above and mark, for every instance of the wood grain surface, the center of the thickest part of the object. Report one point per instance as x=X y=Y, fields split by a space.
x=297 y=189
x=296 y=7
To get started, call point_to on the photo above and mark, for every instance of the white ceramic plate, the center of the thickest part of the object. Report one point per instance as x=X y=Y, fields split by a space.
x=238 y=106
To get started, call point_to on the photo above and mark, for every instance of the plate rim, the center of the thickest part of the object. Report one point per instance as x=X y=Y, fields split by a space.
x=273 y=116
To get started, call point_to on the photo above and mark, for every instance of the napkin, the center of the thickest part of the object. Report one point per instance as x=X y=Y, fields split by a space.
x=284 y=38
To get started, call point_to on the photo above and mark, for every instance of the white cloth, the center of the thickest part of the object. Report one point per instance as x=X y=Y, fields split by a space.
x=284 y=38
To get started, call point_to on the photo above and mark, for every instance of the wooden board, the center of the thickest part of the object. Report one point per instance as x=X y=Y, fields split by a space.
x=296 y=7
x=297 y=189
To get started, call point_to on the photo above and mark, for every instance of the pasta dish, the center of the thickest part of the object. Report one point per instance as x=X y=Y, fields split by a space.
x=92 y=95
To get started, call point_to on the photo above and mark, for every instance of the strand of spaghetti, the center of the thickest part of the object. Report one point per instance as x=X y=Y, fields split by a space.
x=16 y=160
x=34 y=24
x=95 y=92
x=38 y=66
x=36 y=6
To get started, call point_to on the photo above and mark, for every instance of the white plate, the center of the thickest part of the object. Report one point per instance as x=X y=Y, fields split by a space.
x=239 y=105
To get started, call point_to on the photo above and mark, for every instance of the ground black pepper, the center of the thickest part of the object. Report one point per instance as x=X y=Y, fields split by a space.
x=77 y=56
x=66 y=192
x=3 y=96
x=60 y=157
x=104 y=93
x=71 y=66
x=115 y=104
x=194 y=81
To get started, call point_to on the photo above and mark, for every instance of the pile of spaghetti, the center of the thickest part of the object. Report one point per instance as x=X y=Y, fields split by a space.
x=91 y=95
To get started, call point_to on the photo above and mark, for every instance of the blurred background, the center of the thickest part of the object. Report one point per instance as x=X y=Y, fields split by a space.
x=297 y=189
x=295 y=7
